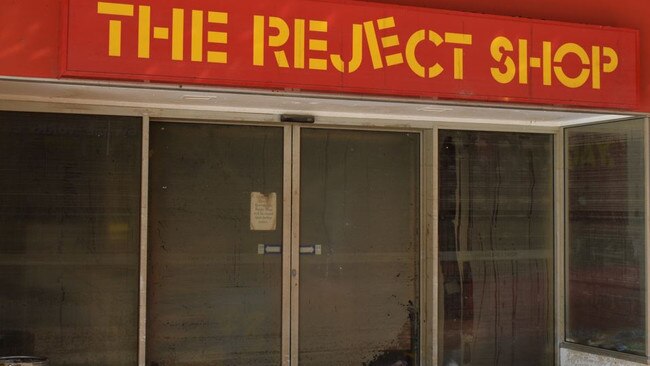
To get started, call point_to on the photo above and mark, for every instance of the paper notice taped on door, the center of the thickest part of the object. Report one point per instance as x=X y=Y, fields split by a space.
x=263 y=211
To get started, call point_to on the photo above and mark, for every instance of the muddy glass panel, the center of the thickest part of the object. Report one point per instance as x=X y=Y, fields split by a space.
x=359 y=231
x=496 y=249
x=606 y=236
x=69 y=237
x=215 y=209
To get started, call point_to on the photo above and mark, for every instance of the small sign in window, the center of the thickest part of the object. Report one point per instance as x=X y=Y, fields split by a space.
x=263 y=211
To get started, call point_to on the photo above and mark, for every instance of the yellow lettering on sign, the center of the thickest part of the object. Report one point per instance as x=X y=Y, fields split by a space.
x=299 y=44
x=563 y=51
x=311 y=45
x=612 y=65
x=461 y=39
x=598 y=66
x=218 y=57
x=523 y=61
x=546 y=62
x=280 y=28
x=390 y=41
x=278 y=40
x=178 y=33
x=373 y=45
x=357 y=52
x=115 y=26
x=317 y=45
x=197 y=36
x=499 y=46
x=160 y=33
x=595 y=60
x=258 y=40
x=411 y=59
x=144 y=31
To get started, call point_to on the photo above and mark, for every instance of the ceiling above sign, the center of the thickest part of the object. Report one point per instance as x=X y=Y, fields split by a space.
x=352 y=47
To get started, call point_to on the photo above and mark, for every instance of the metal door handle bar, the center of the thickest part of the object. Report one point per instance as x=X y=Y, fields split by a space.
x=269 y=249
x=311 y=249
x=277 y=249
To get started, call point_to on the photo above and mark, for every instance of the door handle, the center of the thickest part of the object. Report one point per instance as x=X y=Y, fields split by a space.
x=263 y=249
x=269 y=249
x=311 y=249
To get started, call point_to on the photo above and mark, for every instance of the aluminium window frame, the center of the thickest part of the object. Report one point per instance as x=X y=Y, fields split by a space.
x=558 y=227
x=429 y=265
x=562 y=253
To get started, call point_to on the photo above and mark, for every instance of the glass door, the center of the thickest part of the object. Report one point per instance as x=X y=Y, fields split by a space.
x=359 y=248
x=215 y=197
x=283 y=246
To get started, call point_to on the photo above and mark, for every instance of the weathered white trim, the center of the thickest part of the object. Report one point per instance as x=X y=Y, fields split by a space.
x=202 y=103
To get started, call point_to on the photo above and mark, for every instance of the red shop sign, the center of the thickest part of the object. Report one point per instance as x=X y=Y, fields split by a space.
x=352 y=47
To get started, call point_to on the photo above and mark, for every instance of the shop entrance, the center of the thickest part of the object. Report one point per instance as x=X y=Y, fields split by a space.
x=278 y=245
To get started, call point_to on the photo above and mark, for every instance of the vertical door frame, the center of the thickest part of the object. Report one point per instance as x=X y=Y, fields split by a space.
x=646 y=166
x=560 y=224
x=429 y=248
x=427 y=256
x=295 y=243
x=144 y=224
x=287 y=229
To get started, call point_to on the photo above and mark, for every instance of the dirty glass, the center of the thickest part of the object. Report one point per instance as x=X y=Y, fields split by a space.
x=212 y=298
x=495 y=249
x=69 y=237
x=606 y=236
x=359 y=201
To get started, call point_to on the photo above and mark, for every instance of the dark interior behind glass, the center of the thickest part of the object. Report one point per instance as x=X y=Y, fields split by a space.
x=496 y=249
x=69 y=237
x=606 y=304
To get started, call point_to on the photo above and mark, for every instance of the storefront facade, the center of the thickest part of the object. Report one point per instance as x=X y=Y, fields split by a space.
x=324 y=183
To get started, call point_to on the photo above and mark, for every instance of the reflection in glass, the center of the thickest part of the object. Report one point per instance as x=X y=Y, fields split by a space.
x=606 y=236
x=69 y=237
x=496 y=249
x=360 y=202
x=212 y=299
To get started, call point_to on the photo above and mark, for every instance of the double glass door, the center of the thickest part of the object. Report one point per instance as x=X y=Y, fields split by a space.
x=282 y=246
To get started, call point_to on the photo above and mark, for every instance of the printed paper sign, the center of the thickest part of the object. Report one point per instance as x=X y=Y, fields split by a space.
x=263 y=211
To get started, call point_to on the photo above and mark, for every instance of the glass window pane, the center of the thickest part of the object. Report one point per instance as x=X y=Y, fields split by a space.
x=212 y=298
x=69 y=229
x=359 y=201
x=606 y=236
x=496 y=248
